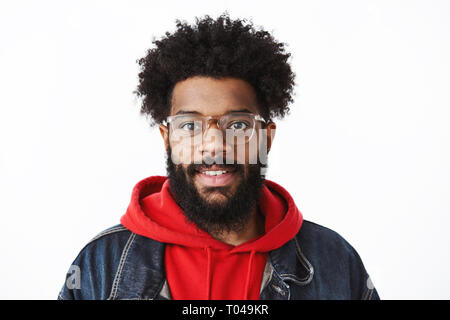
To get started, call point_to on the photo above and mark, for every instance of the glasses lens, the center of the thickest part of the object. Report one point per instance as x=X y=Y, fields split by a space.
x=238 y=126
x=186 y=126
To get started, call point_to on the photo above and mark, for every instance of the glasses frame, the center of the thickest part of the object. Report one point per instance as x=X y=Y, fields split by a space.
x=207 y=120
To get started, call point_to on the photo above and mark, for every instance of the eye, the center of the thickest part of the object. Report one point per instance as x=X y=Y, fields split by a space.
x=189 y=126
x=238 y=125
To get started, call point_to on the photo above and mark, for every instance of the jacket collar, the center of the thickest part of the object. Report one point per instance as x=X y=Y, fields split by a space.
x=286 y=268
x=295 y=268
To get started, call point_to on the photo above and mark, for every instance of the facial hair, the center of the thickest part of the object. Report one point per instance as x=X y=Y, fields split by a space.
x=216 y=217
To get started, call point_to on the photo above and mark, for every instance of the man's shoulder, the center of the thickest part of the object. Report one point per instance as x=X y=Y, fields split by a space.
x=98 y=260
x=115 y=236
x=313 y=236
x=103 y=260
x=315 y=229
x=114 y=241
x=115 y=232
x=335 y=262
x=108 y=242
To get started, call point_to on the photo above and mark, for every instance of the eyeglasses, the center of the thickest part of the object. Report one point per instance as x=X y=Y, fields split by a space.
x=239 y=125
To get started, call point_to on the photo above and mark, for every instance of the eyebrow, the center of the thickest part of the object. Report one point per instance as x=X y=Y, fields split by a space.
x=196 y=112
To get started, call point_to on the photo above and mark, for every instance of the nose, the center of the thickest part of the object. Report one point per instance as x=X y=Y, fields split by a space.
x=213 y=143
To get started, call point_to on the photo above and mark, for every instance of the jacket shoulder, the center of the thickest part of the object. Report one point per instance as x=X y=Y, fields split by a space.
x=92 y=272
x=110 y=233
x=335 y=261
x=106 y=242
x=316 y=235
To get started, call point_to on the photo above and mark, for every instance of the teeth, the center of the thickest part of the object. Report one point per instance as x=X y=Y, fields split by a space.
x=215 y=173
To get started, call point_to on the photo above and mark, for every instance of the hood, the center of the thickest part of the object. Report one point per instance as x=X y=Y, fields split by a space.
x=153 y=213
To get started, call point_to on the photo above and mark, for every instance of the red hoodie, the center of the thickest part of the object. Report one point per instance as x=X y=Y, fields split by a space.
x=197 y=265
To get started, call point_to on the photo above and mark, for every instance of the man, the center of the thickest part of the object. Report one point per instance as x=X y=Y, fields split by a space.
x=215 y=228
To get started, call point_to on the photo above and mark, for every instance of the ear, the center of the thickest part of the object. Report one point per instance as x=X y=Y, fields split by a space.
x=165 y=135
x=271 y=129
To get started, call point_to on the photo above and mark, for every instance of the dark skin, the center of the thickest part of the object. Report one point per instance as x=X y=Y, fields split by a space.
x=215 y=97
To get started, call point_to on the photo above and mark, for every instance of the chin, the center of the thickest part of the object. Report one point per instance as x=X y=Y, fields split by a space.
x=219 y=196
x=213 y=196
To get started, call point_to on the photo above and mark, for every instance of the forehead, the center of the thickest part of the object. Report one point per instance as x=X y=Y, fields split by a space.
x=209 y=96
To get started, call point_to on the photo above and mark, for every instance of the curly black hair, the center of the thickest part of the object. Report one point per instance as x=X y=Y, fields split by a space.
x=216 y=48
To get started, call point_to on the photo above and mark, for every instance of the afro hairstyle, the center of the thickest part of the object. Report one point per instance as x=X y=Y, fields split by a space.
x=217 y=48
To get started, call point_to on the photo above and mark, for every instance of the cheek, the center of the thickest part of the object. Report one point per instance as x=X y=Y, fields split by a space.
x=184 y=169
x=181 y=155
x=246 y=153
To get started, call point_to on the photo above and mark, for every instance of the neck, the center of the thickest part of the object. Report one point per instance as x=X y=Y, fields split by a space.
x=253 y=229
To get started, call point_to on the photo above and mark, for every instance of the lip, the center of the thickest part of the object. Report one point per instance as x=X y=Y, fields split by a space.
x=216 y=167
x=216 y=181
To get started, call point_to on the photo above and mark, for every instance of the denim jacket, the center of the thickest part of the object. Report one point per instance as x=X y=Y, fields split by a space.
x=316 y=264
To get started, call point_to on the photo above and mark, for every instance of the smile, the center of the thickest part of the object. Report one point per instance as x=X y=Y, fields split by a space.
x=215 y=173
x=216 y=177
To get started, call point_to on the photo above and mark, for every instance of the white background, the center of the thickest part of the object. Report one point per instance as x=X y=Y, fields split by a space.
x=364 y=152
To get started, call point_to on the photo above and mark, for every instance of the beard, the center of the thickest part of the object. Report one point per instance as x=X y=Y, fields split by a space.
x=216 y=217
